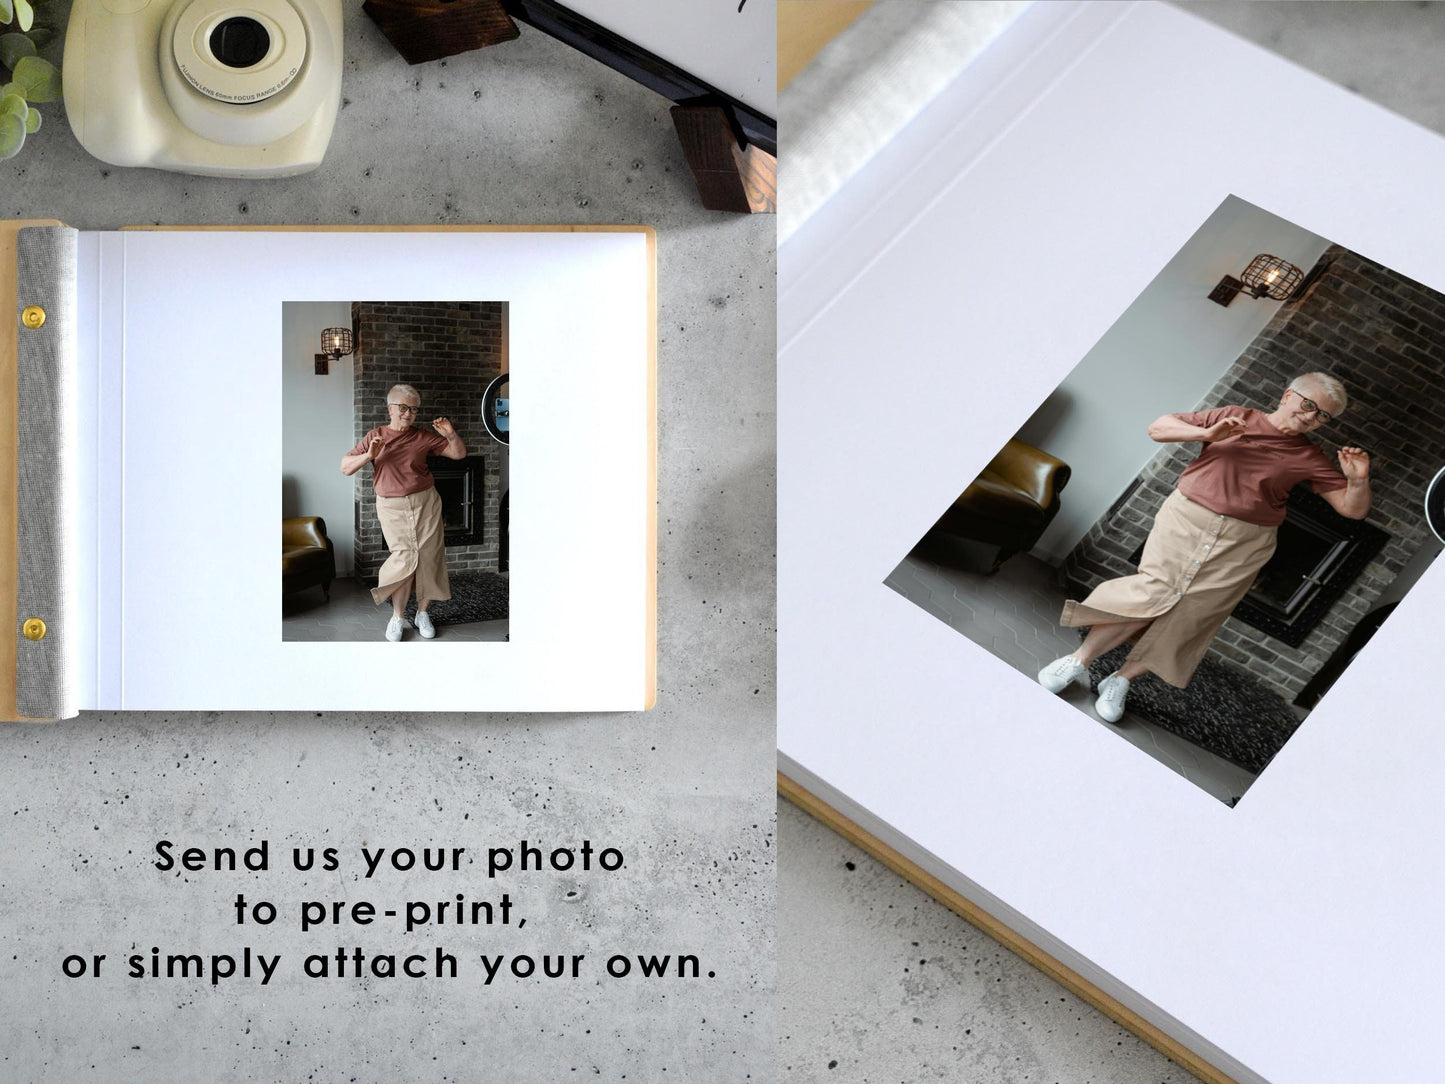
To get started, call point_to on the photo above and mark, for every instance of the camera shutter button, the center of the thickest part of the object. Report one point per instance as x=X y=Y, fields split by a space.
x=124 y=7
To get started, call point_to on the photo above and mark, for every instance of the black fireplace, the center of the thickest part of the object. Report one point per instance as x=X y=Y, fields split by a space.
x=459 y=484
x=1318 y=555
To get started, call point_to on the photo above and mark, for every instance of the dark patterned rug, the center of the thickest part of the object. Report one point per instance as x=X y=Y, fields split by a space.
x=1223 y=709
x=476 y=596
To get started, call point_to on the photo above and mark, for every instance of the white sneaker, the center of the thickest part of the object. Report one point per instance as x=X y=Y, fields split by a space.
x=424 y=625
x=394 y=627
x=1112 y=691
x=1061 y=673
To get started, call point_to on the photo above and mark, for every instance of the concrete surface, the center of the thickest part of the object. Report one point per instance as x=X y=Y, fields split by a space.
x=526 y=132
x=877 y=982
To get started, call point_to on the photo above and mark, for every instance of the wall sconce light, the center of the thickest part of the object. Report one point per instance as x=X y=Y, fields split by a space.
x=1265 y=277
x=336 y=344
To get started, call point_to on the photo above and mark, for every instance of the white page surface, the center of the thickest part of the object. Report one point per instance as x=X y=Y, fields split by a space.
x=200 y=605
x=1297 y=933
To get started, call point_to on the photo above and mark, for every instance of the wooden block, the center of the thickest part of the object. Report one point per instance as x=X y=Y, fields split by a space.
x=729 y=177
x=424 y=30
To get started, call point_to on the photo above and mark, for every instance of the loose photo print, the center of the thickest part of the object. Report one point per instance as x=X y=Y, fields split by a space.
x=394 y=487
x=1194 y=536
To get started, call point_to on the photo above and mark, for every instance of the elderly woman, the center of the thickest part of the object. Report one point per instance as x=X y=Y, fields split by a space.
x=408 y=507
x=1211 y=536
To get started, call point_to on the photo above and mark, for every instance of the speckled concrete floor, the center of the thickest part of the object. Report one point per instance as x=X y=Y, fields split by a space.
x=854 y=1003
x=880 y=984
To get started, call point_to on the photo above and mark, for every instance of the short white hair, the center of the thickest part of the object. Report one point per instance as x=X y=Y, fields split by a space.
x=1323 y=384
x=404 y=390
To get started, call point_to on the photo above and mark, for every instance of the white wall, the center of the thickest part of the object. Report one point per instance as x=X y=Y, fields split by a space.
x=317 y=416
x=1161 y=356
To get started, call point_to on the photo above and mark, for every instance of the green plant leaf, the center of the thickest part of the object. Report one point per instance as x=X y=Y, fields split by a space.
x=39 y=78
x=24 y=14
x=13 y=105
x=7 y=11
x=32 y=122
x=41 y=36
x=12 y=88
x=12 y=135
x=13 y=47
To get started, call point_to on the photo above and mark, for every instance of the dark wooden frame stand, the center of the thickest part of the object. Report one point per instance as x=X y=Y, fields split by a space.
x=424 y=30
x=730 y=175
x=730 y=147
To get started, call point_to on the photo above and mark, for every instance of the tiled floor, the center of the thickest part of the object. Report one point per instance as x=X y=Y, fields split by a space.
x=351 y=615
x=1013 y=614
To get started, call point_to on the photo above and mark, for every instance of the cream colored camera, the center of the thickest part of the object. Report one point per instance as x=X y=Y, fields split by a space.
x=230 y=88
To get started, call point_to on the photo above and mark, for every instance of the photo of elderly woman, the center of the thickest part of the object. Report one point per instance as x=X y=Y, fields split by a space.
x=408 y=507
x=403 y=396
x=1211 y=537
x=1207 y=520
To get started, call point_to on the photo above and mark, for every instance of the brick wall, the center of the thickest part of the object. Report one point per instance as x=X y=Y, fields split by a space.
x=448 y=351
x=1384 y=336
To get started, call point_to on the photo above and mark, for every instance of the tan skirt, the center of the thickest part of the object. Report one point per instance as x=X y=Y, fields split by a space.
x=1195 y=568
x=412 y=526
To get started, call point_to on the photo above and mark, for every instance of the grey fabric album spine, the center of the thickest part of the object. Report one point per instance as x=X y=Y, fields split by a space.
x=46 y=402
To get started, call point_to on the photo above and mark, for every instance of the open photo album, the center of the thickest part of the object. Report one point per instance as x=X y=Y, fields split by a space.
x=447 y=545
x=1118 y=634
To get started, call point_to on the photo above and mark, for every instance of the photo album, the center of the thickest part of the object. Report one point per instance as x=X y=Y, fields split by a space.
x=1120 y=638
x=177 y=392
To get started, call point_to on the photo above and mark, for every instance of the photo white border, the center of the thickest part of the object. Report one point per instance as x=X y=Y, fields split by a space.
x=201 y=499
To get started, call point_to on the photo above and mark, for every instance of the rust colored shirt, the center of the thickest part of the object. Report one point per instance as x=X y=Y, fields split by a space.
x=400 y=465
x=1249 y=476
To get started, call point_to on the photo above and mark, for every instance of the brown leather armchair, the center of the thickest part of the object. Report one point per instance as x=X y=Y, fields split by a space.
x=1009 y=505
x=307 y=555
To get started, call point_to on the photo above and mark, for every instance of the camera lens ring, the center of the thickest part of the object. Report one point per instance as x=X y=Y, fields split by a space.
x=267 y=75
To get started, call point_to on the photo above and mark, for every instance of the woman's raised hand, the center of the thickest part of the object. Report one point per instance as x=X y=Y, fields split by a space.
x=444 y=427
x=1223 y=429
x=374 y=448
x=1354 y=463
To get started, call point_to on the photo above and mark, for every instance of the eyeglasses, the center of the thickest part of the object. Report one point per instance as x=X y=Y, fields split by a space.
x=405 y=408
x=1312 y=407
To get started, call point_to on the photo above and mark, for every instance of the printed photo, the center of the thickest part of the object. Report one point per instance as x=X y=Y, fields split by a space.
x=1197 y=533
x=394 y=488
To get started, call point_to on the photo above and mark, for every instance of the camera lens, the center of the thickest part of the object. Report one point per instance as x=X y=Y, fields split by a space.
x=240 y=42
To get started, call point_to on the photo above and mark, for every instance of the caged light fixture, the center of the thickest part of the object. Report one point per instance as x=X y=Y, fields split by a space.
x=1265 y=277
x=336 y=343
